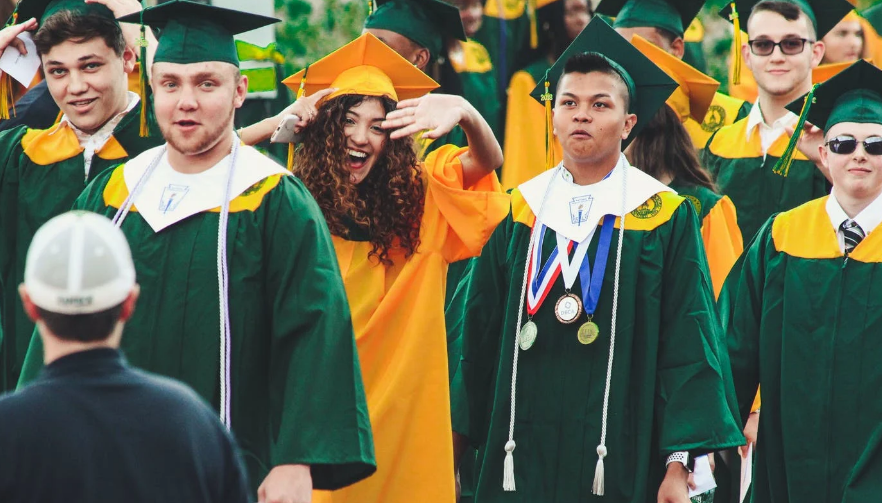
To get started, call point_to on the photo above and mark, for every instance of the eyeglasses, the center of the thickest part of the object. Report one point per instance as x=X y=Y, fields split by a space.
x=846 y=144
x=789 y=46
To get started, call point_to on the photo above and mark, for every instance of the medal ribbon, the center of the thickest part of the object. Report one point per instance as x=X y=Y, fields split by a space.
x=592 y=281
x=540 y=284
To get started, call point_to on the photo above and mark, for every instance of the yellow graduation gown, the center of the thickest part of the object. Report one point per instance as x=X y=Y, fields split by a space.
x=398 y=317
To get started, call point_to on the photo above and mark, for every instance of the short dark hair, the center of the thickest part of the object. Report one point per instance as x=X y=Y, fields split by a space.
x=77 y=27
x=588 y=62
x=667 y=35
x=92 y=327
x=787 y=10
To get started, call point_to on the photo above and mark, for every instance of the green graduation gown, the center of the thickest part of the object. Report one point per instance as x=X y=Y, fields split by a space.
x=297 y=393
x=805 y=321
x=669 y=390
x=41 y=174
x=744 y=174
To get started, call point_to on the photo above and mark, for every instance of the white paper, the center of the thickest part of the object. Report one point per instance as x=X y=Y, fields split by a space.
x=20 y=67
x=702 y=476
x=746 y=471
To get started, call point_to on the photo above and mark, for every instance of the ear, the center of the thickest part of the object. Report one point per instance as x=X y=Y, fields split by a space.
x=630 y=122
x=745 y=56
x=822 y=150
x=678 y=48
x=29 y=307
x=818 y=49
x=128 y=307
x=129 y=59
x=422 y=58
x=241 y=91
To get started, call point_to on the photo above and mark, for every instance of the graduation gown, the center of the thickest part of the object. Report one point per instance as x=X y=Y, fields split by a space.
x=524 y=147
x=398 y=315
x=669 y=390
x=719 y=230
x=41 y=174
x=478 y=78
x=805 y=321
x=744 y=174
x=723 y=111
x=297 y=395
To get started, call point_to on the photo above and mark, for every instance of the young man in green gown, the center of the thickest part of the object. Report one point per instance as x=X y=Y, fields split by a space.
x=802 y=313
x=242 y=297
x=617 y=378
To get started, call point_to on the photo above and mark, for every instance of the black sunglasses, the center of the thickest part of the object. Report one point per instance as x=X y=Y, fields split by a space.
x=846 y=144
x=789 y=46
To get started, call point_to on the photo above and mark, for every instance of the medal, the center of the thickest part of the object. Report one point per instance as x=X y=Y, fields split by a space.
x=568 y=308
x=528 y=335
x=588 y=332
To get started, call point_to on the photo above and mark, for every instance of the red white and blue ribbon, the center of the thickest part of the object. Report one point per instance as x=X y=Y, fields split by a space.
x=541 y=278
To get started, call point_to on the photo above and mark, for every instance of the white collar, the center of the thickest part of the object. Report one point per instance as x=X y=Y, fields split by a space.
x=575 y=210
x=100 y=137
x=869 y=218
x=755 y=118
x=195 y=193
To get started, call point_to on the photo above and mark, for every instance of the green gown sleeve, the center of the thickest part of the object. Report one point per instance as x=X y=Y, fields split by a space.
x=695 y=401
x=314 y=370
x=743 y=111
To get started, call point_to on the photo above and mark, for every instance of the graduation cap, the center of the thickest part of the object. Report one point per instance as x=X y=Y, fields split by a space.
x=695 y=90
x=364 y=66
x=43 y=9
x=823 y=73
x=853 y=95
x=648 y=85
x=874 y=16
x=824 y=15
x=670 y=15
x=426 y=22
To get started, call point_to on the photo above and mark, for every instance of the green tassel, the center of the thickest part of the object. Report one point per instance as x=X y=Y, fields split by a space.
x=783 y=166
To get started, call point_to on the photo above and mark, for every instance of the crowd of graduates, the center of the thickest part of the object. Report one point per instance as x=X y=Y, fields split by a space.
x=517 y=251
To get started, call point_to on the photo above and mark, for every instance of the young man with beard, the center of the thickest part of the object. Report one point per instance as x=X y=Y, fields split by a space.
x=617 y=377
x=86 y=58
x=242 y=297
x=782 y=49
x=802 y=313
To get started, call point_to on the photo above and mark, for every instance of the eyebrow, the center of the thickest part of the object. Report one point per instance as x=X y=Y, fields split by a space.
x=80 y=59
x=353 y=112
x=593 y=96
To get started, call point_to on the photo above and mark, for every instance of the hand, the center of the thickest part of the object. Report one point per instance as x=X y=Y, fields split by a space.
x=674 y=488
x=436 y=114
x=810 y=141
x=120 y=8
x=305 y=108
x=8 y=35
x=286 y=484
x=750 y=432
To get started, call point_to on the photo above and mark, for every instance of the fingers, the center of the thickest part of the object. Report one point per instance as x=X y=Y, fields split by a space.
x=398 y=114
x=406 y=131
x=413 y=102
x=318 y=95
x=690 y=481
x=19 y=45
x=397 y=122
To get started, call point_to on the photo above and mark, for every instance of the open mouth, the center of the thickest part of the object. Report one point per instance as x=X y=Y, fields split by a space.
x=357 y=158
x=186 y=123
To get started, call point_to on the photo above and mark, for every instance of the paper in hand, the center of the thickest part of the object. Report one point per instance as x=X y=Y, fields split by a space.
x=21 y=67
x=746 y=471
x=702 y=476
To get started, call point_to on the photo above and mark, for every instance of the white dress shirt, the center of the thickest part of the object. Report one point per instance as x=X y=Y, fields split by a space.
x=769 y=134
x=868 y=219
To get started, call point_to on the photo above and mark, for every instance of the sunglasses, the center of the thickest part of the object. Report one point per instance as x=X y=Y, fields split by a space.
x=846 y=144
x=789 y=46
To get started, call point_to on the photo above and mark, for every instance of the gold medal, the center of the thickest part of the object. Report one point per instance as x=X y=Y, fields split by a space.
x=588 y=332
x=568 y=308
x=528 y=335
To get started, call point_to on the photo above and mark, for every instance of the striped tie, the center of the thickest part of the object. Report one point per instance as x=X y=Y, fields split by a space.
x=853 y=234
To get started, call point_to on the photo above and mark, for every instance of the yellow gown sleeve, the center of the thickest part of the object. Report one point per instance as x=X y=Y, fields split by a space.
x=524 y=134
x=723 y=242
x=460 y=219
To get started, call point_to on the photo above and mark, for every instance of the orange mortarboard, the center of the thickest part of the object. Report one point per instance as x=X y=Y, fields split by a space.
x=823 y=73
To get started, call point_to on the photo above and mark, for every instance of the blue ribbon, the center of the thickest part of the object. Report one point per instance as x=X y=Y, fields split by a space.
x=592 y=281
x=545 y=268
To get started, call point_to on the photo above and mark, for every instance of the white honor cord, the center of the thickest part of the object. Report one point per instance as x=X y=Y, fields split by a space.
x=508 y=483
x=598 y=486
x=222 y=270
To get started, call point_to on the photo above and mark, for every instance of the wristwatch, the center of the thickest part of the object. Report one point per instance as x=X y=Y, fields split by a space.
x=683 y=458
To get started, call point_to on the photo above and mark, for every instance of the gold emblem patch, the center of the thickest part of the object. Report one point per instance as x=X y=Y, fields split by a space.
x=695 y=202
x=715 y=119
x=254 y=188
x=648 y=209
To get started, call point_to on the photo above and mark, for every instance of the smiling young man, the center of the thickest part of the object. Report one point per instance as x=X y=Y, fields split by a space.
x=802 y=313
x=241 y=295
x=86 y=58
x=591 y=345
x=782 y=49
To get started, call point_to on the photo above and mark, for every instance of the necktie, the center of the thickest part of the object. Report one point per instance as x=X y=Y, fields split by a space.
x=853 y=234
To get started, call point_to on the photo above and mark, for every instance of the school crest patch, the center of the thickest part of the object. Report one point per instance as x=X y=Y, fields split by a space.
x=648 y=209
x=714 y=119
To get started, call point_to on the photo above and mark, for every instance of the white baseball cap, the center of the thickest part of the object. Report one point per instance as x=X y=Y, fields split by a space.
x=79 y=263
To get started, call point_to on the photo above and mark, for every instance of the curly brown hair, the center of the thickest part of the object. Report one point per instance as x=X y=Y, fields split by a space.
x=387 y=205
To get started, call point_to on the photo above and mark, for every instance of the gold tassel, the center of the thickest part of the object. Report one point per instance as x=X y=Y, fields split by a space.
x=291 y=157
x=736 y=52
x=782 y=167
x=302 y=90
x=549 y=136
x=144 y=130
x=7 y=97
x=370 y=7
x=534 y=28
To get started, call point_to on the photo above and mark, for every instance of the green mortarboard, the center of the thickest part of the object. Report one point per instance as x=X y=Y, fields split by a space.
x=648 y=85
x=671 y=15
x=192 y=32
x=853 y=95
x=874 y=16
x=426 y=22
x=824 y=14
x=42 y=9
